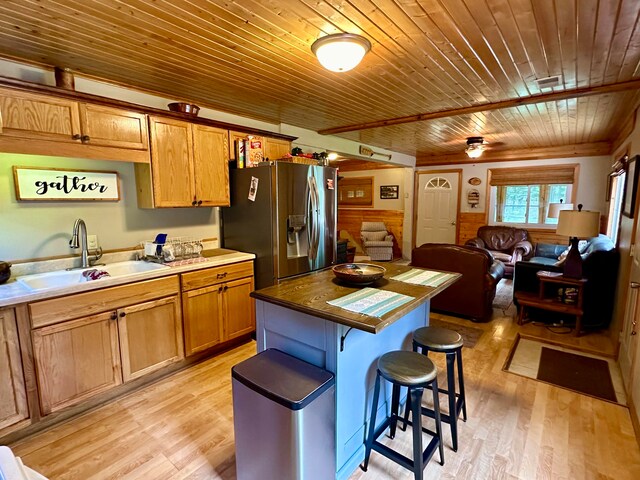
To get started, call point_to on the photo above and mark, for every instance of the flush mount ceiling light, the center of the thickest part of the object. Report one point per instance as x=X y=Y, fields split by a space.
x=475 y=147
x=340 y=52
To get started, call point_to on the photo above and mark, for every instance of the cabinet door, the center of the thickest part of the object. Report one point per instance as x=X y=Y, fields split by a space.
x=76 y=360
x=239 y=308
x=150 y=336
x=171 y=162
x=34 y=116
x=202 y=313
x=275 y=148
x=112 y=127
x=211 y=166
x=13 y=395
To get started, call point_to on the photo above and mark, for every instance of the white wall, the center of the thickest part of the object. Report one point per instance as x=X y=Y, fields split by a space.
x=592 y=180
x=42 y=229
x=388 y=176
x=35 y=230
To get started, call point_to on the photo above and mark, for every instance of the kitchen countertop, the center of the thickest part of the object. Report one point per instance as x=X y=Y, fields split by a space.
x=14 y=293
x=309 y=294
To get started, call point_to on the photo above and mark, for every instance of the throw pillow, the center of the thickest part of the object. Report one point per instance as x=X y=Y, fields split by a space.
x=375 y=236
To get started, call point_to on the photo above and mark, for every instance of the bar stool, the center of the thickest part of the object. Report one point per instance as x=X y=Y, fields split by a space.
x=438 y=339
x=414 y=371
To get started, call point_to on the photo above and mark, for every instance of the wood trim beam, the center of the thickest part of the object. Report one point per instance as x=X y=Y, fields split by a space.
x=561 y=151
x=24 y=86
x=484 y=107
x=358 y=165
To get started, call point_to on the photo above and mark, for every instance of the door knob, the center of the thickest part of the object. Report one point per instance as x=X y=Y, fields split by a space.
x=453 y=223
x=635 y=285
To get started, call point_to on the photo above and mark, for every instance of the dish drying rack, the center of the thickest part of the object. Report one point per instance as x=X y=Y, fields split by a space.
x=175 y=249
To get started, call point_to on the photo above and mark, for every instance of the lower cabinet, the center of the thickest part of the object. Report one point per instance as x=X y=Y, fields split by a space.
x=76 y=360
x=13 y=395
x=132 y=334
x=150 y=336
x=219 y=310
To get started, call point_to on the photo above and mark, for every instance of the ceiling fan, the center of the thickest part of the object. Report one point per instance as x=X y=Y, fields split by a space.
x=475 y=146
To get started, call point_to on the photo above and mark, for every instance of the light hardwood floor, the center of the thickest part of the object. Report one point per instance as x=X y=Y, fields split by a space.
x=518 y=428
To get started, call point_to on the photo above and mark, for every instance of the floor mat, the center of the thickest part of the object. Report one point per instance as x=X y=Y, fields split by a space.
x=504 y=294
x=470 y=335
x=577 y=371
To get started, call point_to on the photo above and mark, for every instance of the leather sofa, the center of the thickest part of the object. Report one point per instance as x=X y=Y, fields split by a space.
x=472 y=295
x=507 y=244
x=599 y=267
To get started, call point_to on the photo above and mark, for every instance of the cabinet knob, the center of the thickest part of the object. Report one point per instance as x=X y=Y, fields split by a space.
x=194 y=203
x=85 y=138
x=76 y=136
x=123 y=314
x=114 y=315
x=224 y=289
x=199 y=202
x=219 y=289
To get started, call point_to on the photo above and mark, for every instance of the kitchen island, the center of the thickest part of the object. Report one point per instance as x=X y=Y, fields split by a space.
x=295 y=318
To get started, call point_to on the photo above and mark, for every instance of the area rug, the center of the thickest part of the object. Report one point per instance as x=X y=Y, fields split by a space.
x=587 y=374
x=504 y=295
x=470 y=335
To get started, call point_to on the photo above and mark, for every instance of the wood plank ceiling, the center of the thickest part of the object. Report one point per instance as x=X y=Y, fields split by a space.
x=253 y=57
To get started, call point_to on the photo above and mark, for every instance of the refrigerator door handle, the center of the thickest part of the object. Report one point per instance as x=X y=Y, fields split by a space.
x=316 y=212
x=310 y=221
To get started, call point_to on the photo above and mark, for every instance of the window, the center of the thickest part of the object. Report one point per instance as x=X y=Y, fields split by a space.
x=521 y=195
x=528 y=203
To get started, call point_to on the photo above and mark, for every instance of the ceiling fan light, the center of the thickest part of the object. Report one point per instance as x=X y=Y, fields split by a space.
x=474 y=151
x=340 y=52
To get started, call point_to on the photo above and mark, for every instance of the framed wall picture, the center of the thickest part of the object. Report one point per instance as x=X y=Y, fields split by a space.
x=630 y=187
x=389 y=192
x=56 y=184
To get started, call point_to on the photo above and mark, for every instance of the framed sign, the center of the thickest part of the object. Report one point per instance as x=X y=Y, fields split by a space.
x=389 y=191
x=630 y=187
x=55 y=184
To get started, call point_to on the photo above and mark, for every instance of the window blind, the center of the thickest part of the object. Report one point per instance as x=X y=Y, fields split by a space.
x=564 y=174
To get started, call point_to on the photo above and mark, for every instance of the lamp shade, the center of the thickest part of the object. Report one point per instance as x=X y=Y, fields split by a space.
x=340 y=52
x=579 y=224
x=555 y=208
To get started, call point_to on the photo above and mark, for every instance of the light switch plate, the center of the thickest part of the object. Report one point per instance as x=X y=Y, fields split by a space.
x=92 y=242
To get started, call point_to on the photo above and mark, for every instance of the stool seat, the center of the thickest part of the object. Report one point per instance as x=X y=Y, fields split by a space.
x=437 y=339
x=407 y=368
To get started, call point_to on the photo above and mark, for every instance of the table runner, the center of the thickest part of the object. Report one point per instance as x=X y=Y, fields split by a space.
x=371 y=301
x=428 y=278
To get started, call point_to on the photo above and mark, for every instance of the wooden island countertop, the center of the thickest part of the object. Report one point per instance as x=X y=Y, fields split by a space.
x=310 y=293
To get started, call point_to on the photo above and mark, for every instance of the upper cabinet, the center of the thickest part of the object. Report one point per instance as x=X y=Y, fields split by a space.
x=111 y=127
x=275 y=148
x=189 y=166
x=79 y=129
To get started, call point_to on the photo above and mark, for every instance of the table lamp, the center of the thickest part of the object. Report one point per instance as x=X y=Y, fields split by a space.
x=555 y=208
x=576 y=224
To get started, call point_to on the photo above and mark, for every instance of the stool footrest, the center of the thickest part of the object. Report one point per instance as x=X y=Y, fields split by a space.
x=401 y=459
x=444 y=417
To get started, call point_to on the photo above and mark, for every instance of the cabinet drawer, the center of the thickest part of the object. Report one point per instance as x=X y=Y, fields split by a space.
x=60 y=309
x=211 y=276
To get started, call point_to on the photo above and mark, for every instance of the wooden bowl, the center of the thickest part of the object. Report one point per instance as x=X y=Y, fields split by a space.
x=188 y=108
x=359 y=273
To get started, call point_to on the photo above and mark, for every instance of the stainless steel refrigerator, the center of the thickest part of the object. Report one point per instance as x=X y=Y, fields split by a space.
x=286 y=215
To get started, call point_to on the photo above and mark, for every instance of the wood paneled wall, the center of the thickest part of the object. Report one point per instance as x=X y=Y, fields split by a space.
x=351 y=219
x=469 y=224
x=546 y=236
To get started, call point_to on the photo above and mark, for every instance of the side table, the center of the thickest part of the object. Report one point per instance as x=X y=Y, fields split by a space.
x=544 y=300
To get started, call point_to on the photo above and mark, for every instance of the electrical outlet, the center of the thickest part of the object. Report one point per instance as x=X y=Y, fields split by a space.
x=92 y=242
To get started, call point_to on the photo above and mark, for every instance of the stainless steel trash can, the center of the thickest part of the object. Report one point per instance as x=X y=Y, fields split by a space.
x=284 y=419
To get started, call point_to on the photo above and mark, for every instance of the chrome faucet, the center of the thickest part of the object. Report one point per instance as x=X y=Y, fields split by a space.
x=80 y=229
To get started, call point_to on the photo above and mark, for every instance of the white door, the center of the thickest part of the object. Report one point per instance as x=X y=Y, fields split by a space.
x=629 y=344
x=437 y=208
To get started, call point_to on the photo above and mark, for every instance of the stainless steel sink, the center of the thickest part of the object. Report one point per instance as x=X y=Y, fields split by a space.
x=66 y=278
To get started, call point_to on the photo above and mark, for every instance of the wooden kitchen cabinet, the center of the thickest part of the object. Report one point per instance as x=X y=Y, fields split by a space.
x=150 y=336
x=189 y=166
x=113 y=127
x=275 y=148
x=41 y=117
x=216 y=305
x=78 y=129
x=76 y=360
x=13 y=396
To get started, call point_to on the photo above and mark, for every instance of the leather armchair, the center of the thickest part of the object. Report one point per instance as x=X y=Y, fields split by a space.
x=472 y=295
x=507 y=244
x=376 y=240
